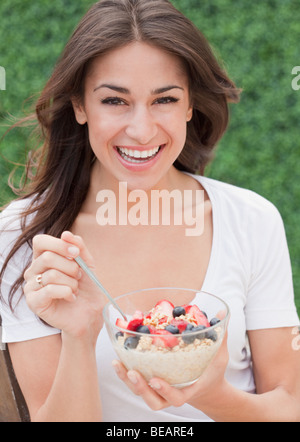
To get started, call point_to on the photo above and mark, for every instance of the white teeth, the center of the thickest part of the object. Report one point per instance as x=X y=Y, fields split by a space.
x=130 y=154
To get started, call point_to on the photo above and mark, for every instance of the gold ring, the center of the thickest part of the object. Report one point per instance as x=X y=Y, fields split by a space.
x=39 y=280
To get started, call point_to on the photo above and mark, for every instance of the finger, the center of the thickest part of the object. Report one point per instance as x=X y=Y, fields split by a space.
x=76 y=241
x=39 y=301
x=171 y=395
x=221 y=314
x=138 y=385
x=53 y=277
x=42 y=243
x=50 y=260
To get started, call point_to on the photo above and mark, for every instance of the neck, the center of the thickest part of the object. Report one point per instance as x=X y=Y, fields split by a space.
x=103 y=184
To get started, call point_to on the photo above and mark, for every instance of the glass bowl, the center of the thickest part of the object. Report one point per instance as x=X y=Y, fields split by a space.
x=170 y=333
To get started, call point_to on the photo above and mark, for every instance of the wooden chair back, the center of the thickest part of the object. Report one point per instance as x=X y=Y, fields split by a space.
x=12 y=404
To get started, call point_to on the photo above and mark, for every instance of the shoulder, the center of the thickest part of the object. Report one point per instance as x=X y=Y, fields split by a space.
x=11 y=215
x=11 y=221
x=238 y=201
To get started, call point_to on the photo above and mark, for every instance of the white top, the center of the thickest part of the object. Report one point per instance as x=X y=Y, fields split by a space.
x=249 y=268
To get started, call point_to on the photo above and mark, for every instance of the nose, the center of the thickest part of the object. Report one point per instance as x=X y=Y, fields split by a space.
x=142 y=127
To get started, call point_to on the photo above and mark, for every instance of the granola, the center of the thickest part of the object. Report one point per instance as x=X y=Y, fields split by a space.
x=173 y=343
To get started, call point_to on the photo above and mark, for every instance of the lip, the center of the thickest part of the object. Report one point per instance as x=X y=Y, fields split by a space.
x=139 y=167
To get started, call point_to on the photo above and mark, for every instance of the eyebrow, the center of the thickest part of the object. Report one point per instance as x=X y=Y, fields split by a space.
x=123 y=90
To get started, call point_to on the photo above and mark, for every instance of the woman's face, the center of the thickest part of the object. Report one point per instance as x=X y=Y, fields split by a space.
x=136 y=106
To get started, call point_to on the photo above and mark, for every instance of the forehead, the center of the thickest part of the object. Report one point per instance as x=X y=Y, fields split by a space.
x=138 y=62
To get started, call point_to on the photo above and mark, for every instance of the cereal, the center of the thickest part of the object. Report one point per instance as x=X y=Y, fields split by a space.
x=175 y=344
x=180 y=365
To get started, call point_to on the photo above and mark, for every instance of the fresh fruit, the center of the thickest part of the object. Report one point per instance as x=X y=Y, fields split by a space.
x=143 y=329
x=196 y=313
x=165 y=339
x=211 y=334
x=131 y=342
x=152 y=329
x=190 y=334
x=178 y=311
x=172 y=329
x=190 y=327
x=214 y=321
x=181 y=324
x=121 y=323
x=165 y=307
x=187 y=337
x=165 y=321
x=136 y=321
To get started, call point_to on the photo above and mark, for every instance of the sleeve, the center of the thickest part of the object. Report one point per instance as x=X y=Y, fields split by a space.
x=270 y=299
x=21 y=324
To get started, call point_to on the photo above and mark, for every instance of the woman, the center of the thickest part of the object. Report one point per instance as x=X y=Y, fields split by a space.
x=138 y=98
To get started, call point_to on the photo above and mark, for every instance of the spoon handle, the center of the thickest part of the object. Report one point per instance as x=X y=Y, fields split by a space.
x=94 y=278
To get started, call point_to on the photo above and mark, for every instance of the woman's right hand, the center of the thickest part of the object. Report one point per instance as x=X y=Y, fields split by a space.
x=65 y=297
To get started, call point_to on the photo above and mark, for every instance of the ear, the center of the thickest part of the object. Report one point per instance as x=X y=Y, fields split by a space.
x=79 y=111
x=189 y=115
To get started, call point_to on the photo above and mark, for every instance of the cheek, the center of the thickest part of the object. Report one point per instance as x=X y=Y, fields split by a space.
x=176 y=127
x=100 y=131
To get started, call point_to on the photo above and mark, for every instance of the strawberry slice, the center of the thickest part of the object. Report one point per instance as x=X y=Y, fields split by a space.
x=196 y=313
x=136 y=320
x=153 y=330
x=165 y=307
x=180 y=324
x=163 y=320
x=121 y=323
x=165 y=339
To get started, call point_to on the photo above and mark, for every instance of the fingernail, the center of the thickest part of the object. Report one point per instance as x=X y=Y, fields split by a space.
x=156 y=385
x=73 y=251
x=115 y=364
x=132 y=377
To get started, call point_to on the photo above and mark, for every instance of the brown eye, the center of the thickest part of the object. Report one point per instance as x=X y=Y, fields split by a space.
x=113 y=101
x=166 y=100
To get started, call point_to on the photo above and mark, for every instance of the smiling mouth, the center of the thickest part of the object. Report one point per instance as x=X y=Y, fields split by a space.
x=138 y=156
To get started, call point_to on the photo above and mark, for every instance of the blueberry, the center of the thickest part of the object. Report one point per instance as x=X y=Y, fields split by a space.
x=214 y=321
x=118 y=334
x=143 y=329
x=204 y=314
x=199 y=328
x=172 y=329
x=190 y=327
x=211 y=334
x=188 y=337
x=178 y=311
x=131 y=342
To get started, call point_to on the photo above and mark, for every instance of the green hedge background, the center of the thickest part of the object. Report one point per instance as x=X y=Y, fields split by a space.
x=259 y=43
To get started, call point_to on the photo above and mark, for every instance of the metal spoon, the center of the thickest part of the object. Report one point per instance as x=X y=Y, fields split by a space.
x=94 y=278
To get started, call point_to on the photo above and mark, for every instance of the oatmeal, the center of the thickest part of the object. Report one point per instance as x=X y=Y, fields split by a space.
x=173 y=343
x=182 y=364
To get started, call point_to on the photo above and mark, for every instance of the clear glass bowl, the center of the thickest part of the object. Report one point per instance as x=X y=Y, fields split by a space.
x=178 y=358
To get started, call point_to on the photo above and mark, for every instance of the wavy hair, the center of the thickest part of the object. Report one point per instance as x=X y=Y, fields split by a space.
x=58 y=173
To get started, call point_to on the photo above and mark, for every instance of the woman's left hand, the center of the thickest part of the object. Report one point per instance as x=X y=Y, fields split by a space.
x=158 y=394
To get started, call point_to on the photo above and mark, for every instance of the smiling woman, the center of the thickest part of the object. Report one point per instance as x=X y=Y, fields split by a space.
x=138 y=98
x=142 y=129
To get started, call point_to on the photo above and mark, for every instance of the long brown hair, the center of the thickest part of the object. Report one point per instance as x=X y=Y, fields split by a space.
x=63 y=164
